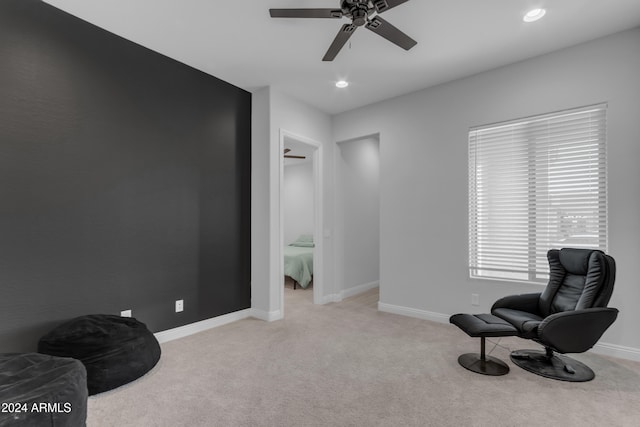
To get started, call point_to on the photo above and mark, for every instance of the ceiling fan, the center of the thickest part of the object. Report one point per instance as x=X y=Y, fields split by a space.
x=362 y=13
x=290 y=156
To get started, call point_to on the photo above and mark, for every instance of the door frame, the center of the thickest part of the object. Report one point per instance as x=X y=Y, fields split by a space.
x=318 y=220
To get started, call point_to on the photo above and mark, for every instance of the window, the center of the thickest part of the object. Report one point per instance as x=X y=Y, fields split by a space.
x=536 y=184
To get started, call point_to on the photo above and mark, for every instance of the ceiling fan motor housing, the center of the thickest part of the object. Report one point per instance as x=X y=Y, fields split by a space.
x=358 y=10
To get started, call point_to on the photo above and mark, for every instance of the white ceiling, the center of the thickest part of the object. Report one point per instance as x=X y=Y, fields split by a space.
x=238 y=42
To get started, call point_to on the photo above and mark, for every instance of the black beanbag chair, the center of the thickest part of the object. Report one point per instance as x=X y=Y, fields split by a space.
x=40 y=390
x=115 y=350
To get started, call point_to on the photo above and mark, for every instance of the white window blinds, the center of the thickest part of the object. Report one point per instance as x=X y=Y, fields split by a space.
x=536 y=184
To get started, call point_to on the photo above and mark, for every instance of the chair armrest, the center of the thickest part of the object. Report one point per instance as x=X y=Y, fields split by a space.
x=522 y=302
x=575 y=331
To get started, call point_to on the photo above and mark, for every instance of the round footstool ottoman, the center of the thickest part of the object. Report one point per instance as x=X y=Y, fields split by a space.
x=115 y=350
x=40 y=390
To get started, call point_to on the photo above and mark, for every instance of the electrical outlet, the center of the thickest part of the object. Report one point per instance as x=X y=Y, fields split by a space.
x=125 y=313
x=179 y=305
x=475 y=299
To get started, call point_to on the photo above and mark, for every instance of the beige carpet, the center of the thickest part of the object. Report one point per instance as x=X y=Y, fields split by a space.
x=346 y=364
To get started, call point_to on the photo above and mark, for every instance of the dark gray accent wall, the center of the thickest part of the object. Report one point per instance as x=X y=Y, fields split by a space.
x=124 y=180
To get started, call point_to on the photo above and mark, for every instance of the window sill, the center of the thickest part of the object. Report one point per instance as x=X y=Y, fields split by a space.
x=514 y=281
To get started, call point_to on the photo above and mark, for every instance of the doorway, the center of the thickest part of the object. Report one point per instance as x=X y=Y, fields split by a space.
x=312 y=152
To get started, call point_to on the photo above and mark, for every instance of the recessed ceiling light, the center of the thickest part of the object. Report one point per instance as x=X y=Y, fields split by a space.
x=342 y=84
x=534 y=15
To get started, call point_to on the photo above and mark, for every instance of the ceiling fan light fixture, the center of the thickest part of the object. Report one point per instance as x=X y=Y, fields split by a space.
x=341 y=84
x=533 y=15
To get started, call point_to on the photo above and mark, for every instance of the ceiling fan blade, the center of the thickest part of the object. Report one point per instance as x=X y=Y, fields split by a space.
x=295 y=157
x=383 y=5
x=391 y=33
x=305 y=13
x=343 y=35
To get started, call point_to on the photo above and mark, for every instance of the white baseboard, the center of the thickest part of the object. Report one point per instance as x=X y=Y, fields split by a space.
x=330 y=298
x=355 y=290
x=267 y=316
x=413 y=312
x=352 y=291
x=619 y=351
x=606 y=349
x=203 y=325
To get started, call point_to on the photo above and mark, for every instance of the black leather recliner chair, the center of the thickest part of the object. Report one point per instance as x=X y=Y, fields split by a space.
x=569 y=316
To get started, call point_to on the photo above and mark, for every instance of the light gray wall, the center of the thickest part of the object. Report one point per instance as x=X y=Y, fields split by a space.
x=305 y=121
x=358 y=213
x=297 y=200
x=424 y=189
x=274 y=112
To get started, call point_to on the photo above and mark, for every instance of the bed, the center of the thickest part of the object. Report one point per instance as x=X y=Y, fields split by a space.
x=298 y=261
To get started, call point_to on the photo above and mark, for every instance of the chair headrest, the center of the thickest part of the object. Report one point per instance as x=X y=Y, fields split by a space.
x=576 y=261
x=578 y=279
